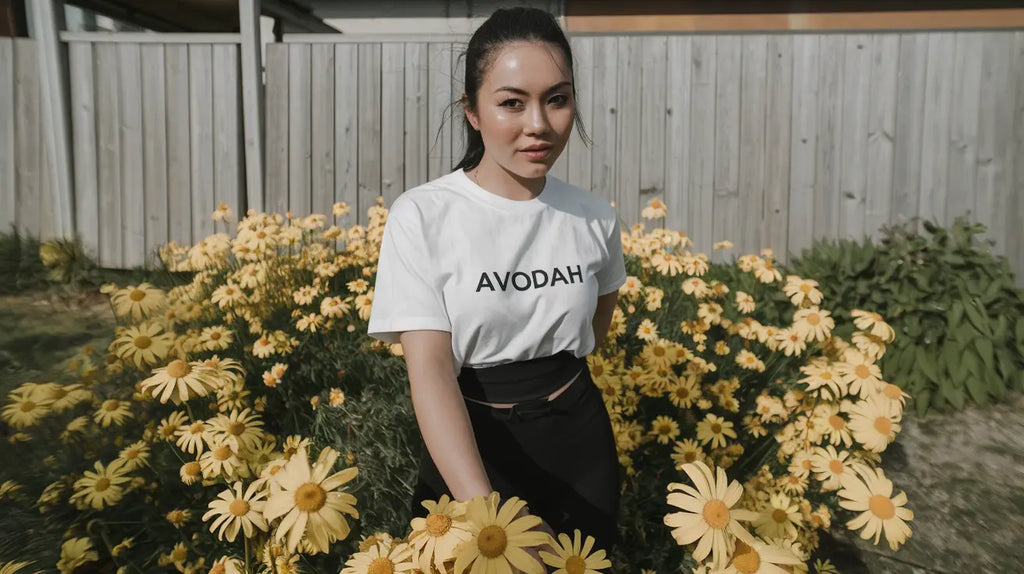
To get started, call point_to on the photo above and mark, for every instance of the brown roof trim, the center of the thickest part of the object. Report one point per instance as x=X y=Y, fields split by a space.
x=835 y=21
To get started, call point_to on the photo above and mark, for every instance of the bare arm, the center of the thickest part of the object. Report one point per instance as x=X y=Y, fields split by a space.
x=603 y=316
x=441 y=413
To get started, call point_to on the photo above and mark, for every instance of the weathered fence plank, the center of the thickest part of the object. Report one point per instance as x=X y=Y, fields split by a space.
x=108 y=156
x=133 y=211
x=83 y=125
x=200 y=84
x=154 y=138
x=8 y=189
x=179 y=162
x=885 y=50
x=322 y=107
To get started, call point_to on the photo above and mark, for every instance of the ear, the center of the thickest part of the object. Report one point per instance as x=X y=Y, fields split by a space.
x=471 y=115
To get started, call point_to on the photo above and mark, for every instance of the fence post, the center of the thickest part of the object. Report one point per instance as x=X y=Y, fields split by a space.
x=252 y=101
x=45 y=18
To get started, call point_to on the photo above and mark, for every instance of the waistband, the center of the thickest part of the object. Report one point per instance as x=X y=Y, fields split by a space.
x=520 y=380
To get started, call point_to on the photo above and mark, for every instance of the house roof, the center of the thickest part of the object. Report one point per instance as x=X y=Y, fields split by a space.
x=203 y=15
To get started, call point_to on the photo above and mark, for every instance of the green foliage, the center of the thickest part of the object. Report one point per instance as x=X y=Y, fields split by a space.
x=958 y=316
x=20 y=267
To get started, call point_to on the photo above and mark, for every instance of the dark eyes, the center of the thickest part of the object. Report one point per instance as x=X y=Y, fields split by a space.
x=516 y=103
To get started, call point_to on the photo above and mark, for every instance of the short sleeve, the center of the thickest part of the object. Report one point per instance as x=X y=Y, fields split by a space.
x=613 y=274
x=407 y=293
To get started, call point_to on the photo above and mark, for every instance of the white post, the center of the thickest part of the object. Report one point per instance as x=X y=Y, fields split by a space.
x=45 y=19
x=252 y=101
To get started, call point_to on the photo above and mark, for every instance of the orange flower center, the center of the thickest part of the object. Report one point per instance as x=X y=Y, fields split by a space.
x=239 y=507
x=193 y=468
x=27 y=406
x=805 y=288
x=236 y=428
x=836 y=466
x=215 y=336
x=381 y=566
x=222 y=453
x=837 y=422
x=101 y=484
x=137 y=295
x=438 y=524
x=111 y=404
x=746 y=560
x=814 y=319
x=862 y=371
x=196 y=428
x=178 y=369
x=142 y=342
x=780 y=516
x=310 y=497
x=882 y=507
x=883 y=425
x=716 y=514
x=716 y=428
x=133 y=453
x=575 y=565
x=492 y=541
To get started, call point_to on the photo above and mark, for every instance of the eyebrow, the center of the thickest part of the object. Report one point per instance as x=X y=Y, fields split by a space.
x=523 y=92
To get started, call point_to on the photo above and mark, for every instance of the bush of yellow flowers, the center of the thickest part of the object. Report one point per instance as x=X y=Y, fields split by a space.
x=241 y=421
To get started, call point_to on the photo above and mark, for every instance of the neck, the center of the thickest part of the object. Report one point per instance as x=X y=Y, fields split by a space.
x=500 y=181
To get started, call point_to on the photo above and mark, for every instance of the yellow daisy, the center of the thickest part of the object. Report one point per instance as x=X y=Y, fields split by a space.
x=100 y=488
x=383 y=556
x=239 y=430
x=235 y=510
x=869 y=492
x=216 y=338
x=138 y=302
x=683 y=393
x=178 y=517
x=667 y=264
x=8 y=488
x=191 y=472
x=813 y=324
x=860 y=373
x=687 y=451
x=308 y=502
x=664 y=429
x=778 y=517
x=708 y=516
x=745 y=303
x=799 y=290
x=655 y=209
x=574 y=558
x=220 y=460
x=227 y=565
x=75 y=552
x=333 y=307
x=364 y=303
x=134 y=455
x=868 y=344
x=824 y=377
x=828 y=466
x=790 y=342
x=227 y=295
x=25 y=409
x=873 y=424
x=63 y=397
x=192 y=439
x=653 y=298
x=647 y=331
x=169 y=425
x=874 y=324
x=749 y=361
x=631 y=288
x=498 y=538
x=656 y=354
x=435 y=537
x=112 y=411
x=144 y=344
x=180 y=381
x=761 y=558
x=714 y=429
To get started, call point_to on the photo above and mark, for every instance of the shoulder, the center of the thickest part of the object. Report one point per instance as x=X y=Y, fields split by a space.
x=425 y=201
x=587 y=202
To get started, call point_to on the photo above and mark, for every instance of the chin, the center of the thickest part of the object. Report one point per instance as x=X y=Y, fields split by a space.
x=533 y=170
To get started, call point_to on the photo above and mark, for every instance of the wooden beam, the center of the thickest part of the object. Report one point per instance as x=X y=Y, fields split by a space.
x=905 y=20
x=45 y=24
x=252 y=102
x=296 y=16
x=151 y=37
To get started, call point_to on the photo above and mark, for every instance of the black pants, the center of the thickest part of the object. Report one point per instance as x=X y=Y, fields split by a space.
x=560 y=457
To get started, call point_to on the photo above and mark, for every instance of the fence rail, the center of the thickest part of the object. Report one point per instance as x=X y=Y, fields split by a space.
x=769 y=140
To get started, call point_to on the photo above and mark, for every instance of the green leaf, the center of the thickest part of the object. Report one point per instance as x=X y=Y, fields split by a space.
x=922 y=401
x=1007 y=366
x=977 y=386
x=957 y=397
x=956 y=314
x=926 y=364
x=977 y=318
x=984 y=347
x=997 y=385
x=1019 y=330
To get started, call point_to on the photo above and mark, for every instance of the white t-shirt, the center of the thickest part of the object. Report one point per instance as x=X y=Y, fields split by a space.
x=510 y=280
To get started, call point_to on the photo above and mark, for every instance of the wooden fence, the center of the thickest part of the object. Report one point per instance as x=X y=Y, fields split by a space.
x=769 y=140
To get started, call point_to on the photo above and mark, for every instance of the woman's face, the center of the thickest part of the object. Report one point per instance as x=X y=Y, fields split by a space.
x=524 y=108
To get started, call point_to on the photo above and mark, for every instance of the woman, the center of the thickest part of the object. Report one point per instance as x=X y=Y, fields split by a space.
x=499 y=279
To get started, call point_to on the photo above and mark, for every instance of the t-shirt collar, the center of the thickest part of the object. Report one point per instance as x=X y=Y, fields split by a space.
x=537 y=203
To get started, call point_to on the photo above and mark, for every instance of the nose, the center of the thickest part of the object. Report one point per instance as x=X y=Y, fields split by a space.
x=537 y=121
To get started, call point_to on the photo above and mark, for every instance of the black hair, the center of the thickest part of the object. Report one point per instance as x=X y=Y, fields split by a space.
x=507 y=25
